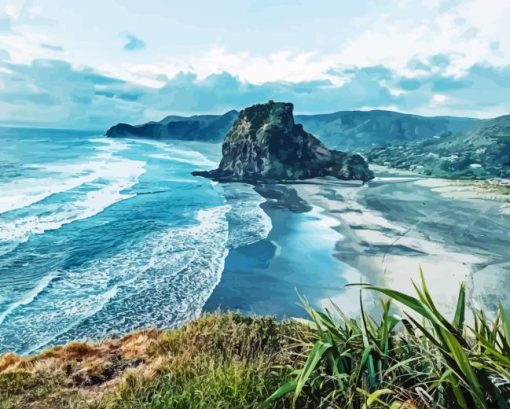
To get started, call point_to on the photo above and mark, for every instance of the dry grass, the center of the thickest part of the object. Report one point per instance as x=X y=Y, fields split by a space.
x=225 y=358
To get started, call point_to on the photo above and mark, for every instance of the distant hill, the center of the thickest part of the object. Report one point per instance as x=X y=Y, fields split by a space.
x=480 y=152
x=210 y=128
x=366 y=129
x=441 y=146
x=342 y=130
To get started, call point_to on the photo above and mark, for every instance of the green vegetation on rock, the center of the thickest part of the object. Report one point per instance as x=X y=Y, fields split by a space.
x=264 y=144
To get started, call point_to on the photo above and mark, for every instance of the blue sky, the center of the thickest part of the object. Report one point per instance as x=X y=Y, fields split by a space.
x=91 y=64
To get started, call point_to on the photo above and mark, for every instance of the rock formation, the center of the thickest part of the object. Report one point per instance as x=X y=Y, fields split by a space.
x=264 y=144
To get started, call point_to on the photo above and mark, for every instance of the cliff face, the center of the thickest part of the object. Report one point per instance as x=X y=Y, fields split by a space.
x=265 y=144
x=209 y=128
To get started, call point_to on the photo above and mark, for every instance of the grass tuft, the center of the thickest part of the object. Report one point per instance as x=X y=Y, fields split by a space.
x=419 y=359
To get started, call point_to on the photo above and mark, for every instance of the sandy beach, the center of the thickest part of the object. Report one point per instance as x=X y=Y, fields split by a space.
x=396 y=225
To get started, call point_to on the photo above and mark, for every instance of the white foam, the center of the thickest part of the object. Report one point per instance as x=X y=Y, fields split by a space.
x=99 y=302
x=198 y=160
x=19 y=194
x=121 y=175
x=172 y=153
x=164 y=281
x=110 y=145
x=29 y=296
x=105 y=180
x=247 y=221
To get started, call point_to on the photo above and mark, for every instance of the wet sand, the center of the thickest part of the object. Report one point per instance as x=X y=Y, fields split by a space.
x=298 y=256
x=381 y=233
x=398 y=224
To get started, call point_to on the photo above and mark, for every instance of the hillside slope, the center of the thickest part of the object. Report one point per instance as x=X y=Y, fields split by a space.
x=481 y=152
x=217 y=361
x=365 y=129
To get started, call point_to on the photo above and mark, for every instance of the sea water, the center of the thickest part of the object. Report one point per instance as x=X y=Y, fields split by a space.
x=102 y=236
x=99 y=235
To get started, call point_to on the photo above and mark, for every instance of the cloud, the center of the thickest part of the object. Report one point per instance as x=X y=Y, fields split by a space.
x=466 y=32
x=458 y=34
x=259 y=5
x=434 y=91
x=133 y=43
x=52 y=47
x=54 y=93
x=4 y=55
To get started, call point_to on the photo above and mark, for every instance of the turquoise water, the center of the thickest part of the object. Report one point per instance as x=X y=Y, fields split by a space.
x=103 y=236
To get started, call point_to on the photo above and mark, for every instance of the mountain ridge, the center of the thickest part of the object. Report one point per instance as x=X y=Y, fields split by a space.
x=442 y=146
x=341 y=129
x=210 y=128
x=364 y=129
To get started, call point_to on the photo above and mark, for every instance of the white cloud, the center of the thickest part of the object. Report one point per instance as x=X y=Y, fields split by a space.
x=12 y=11
x=408 y=29
x=394 y=38
x=390 y=39
x=284 y=66
x=421 y=42
x=24 y=48
x=439 y=98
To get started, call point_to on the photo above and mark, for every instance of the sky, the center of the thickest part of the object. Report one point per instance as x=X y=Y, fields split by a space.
x=90 y=64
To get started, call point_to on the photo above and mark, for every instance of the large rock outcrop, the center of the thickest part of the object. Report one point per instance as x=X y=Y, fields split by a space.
x=264 y=144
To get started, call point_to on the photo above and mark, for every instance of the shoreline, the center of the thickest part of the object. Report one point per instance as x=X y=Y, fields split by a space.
x=265 y=277
x=386 y=231
x=385 y=249
x=497 y=190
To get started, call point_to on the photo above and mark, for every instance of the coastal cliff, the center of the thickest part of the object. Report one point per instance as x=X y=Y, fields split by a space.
x=265 y=144
x=209 y=128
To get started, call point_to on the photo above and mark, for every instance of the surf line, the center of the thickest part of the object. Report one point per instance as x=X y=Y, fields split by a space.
x=30 y=296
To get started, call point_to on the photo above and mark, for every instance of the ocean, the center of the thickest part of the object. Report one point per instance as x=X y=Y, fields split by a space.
x=102 y=236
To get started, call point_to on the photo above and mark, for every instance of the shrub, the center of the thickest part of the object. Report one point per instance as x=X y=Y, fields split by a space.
x=419 y=360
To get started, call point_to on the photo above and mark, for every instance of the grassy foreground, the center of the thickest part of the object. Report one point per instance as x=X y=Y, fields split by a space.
x=407 y=358
x=217 y=361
